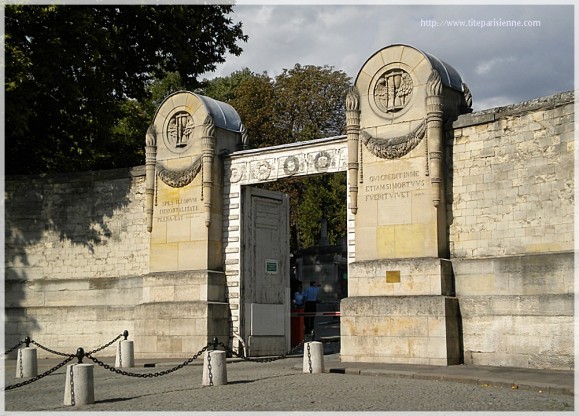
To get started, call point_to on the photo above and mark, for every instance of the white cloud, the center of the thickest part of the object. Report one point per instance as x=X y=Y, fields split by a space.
x=499 y=64
x=485 y=67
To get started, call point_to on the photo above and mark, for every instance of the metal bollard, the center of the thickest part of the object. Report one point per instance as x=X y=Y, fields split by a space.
x=313 y=357
x=125 y=353
x=27 y=362
x=79 y=384
x=214 y=367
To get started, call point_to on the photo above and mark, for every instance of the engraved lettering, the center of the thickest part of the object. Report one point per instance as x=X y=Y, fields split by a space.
x=394 y=185
x=177 y=209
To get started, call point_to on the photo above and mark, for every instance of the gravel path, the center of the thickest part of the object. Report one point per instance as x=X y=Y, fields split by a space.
x=275 y=386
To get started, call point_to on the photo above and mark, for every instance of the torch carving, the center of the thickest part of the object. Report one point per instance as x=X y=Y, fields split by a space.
x=353 y=131
x=150 y=161
x=208 y=143
x=434 y=117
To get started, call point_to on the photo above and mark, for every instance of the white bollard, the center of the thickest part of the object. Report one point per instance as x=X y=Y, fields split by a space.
x=218 y=368
x=26 y=363
x=125 y=354
x=313 y=357
x=79 y=385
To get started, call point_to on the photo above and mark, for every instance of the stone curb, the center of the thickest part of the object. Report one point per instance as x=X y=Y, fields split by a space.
x=548 y=388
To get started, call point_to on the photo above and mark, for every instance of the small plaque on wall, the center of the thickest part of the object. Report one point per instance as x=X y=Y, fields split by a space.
x=271 y=266
x=393 y=276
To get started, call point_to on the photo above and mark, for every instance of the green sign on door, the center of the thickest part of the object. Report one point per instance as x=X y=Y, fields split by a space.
x=271 y=266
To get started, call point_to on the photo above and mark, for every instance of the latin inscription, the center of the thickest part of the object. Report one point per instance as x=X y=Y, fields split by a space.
x=177 y=210
x=393 y=185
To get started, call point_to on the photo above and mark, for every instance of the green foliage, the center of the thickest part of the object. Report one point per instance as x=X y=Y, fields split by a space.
x=78 y=78
x=310 y=103
x=303 y=103
x=252 y=96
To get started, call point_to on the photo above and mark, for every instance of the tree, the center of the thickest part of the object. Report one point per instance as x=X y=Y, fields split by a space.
x=324 y=196
x=134 y=117
x=75 y=76
x=303 y=103
x=310 y=103
x=252 y=96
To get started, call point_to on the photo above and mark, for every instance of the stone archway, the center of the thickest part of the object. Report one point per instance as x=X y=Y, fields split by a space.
x=251 y=167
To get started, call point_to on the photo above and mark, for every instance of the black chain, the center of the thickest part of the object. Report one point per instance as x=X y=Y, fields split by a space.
x=146 y=375
x=32 y=380
x=120 y=356
x=105 y=346
x=14 y=347
x=62 y=354
x=71 y=378
x=108 y=344
x=209 y=368
x=310 y=359
x=264 y=360
x=21 y=363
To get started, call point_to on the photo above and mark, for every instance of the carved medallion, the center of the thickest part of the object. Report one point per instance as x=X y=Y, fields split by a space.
x=291 y=165
x=236 y=173
x=262 y=170
x=393 y=90
x=179 y=131
x=322 y=161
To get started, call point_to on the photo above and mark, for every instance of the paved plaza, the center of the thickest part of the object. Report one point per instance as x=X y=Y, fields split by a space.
x=282 y=386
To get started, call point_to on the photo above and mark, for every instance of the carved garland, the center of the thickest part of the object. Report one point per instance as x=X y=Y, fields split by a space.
x=179 y=178
x=395 y=147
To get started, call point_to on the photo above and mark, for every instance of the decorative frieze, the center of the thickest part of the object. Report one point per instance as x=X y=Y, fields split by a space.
x=256 y=169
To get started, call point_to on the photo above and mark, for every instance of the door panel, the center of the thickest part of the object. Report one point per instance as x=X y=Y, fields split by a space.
x=265 y=293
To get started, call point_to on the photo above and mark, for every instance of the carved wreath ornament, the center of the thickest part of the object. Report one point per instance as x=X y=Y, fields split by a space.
x=179 y=178
x=394 y=147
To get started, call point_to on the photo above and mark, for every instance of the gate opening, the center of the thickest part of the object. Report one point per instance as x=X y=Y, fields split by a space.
x=318 y=251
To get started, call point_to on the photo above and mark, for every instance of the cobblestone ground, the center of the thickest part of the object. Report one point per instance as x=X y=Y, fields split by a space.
x=275 y=386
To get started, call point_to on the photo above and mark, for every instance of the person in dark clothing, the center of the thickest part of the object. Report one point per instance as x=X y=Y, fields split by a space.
x=311 y=297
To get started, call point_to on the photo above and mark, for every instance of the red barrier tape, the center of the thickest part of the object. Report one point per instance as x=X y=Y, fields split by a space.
x=296 y=314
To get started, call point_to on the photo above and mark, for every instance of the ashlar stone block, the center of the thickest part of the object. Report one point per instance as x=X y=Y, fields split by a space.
x=400 y=329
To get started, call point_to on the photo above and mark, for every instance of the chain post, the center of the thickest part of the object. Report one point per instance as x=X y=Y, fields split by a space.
x=125 y=334
x=80 y=355
x=214 y=343
x=27 y=341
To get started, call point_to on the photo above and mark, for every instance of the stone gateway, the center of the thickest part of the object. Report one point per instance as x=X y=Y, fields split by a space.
x=460 y=231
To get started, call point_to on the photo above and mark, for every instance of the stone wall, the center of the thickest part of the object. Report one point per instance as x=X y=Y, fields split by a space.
x=512 y=179
x=76 y=246
x=71 y=226
x=77 y=250
x=511 y=233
